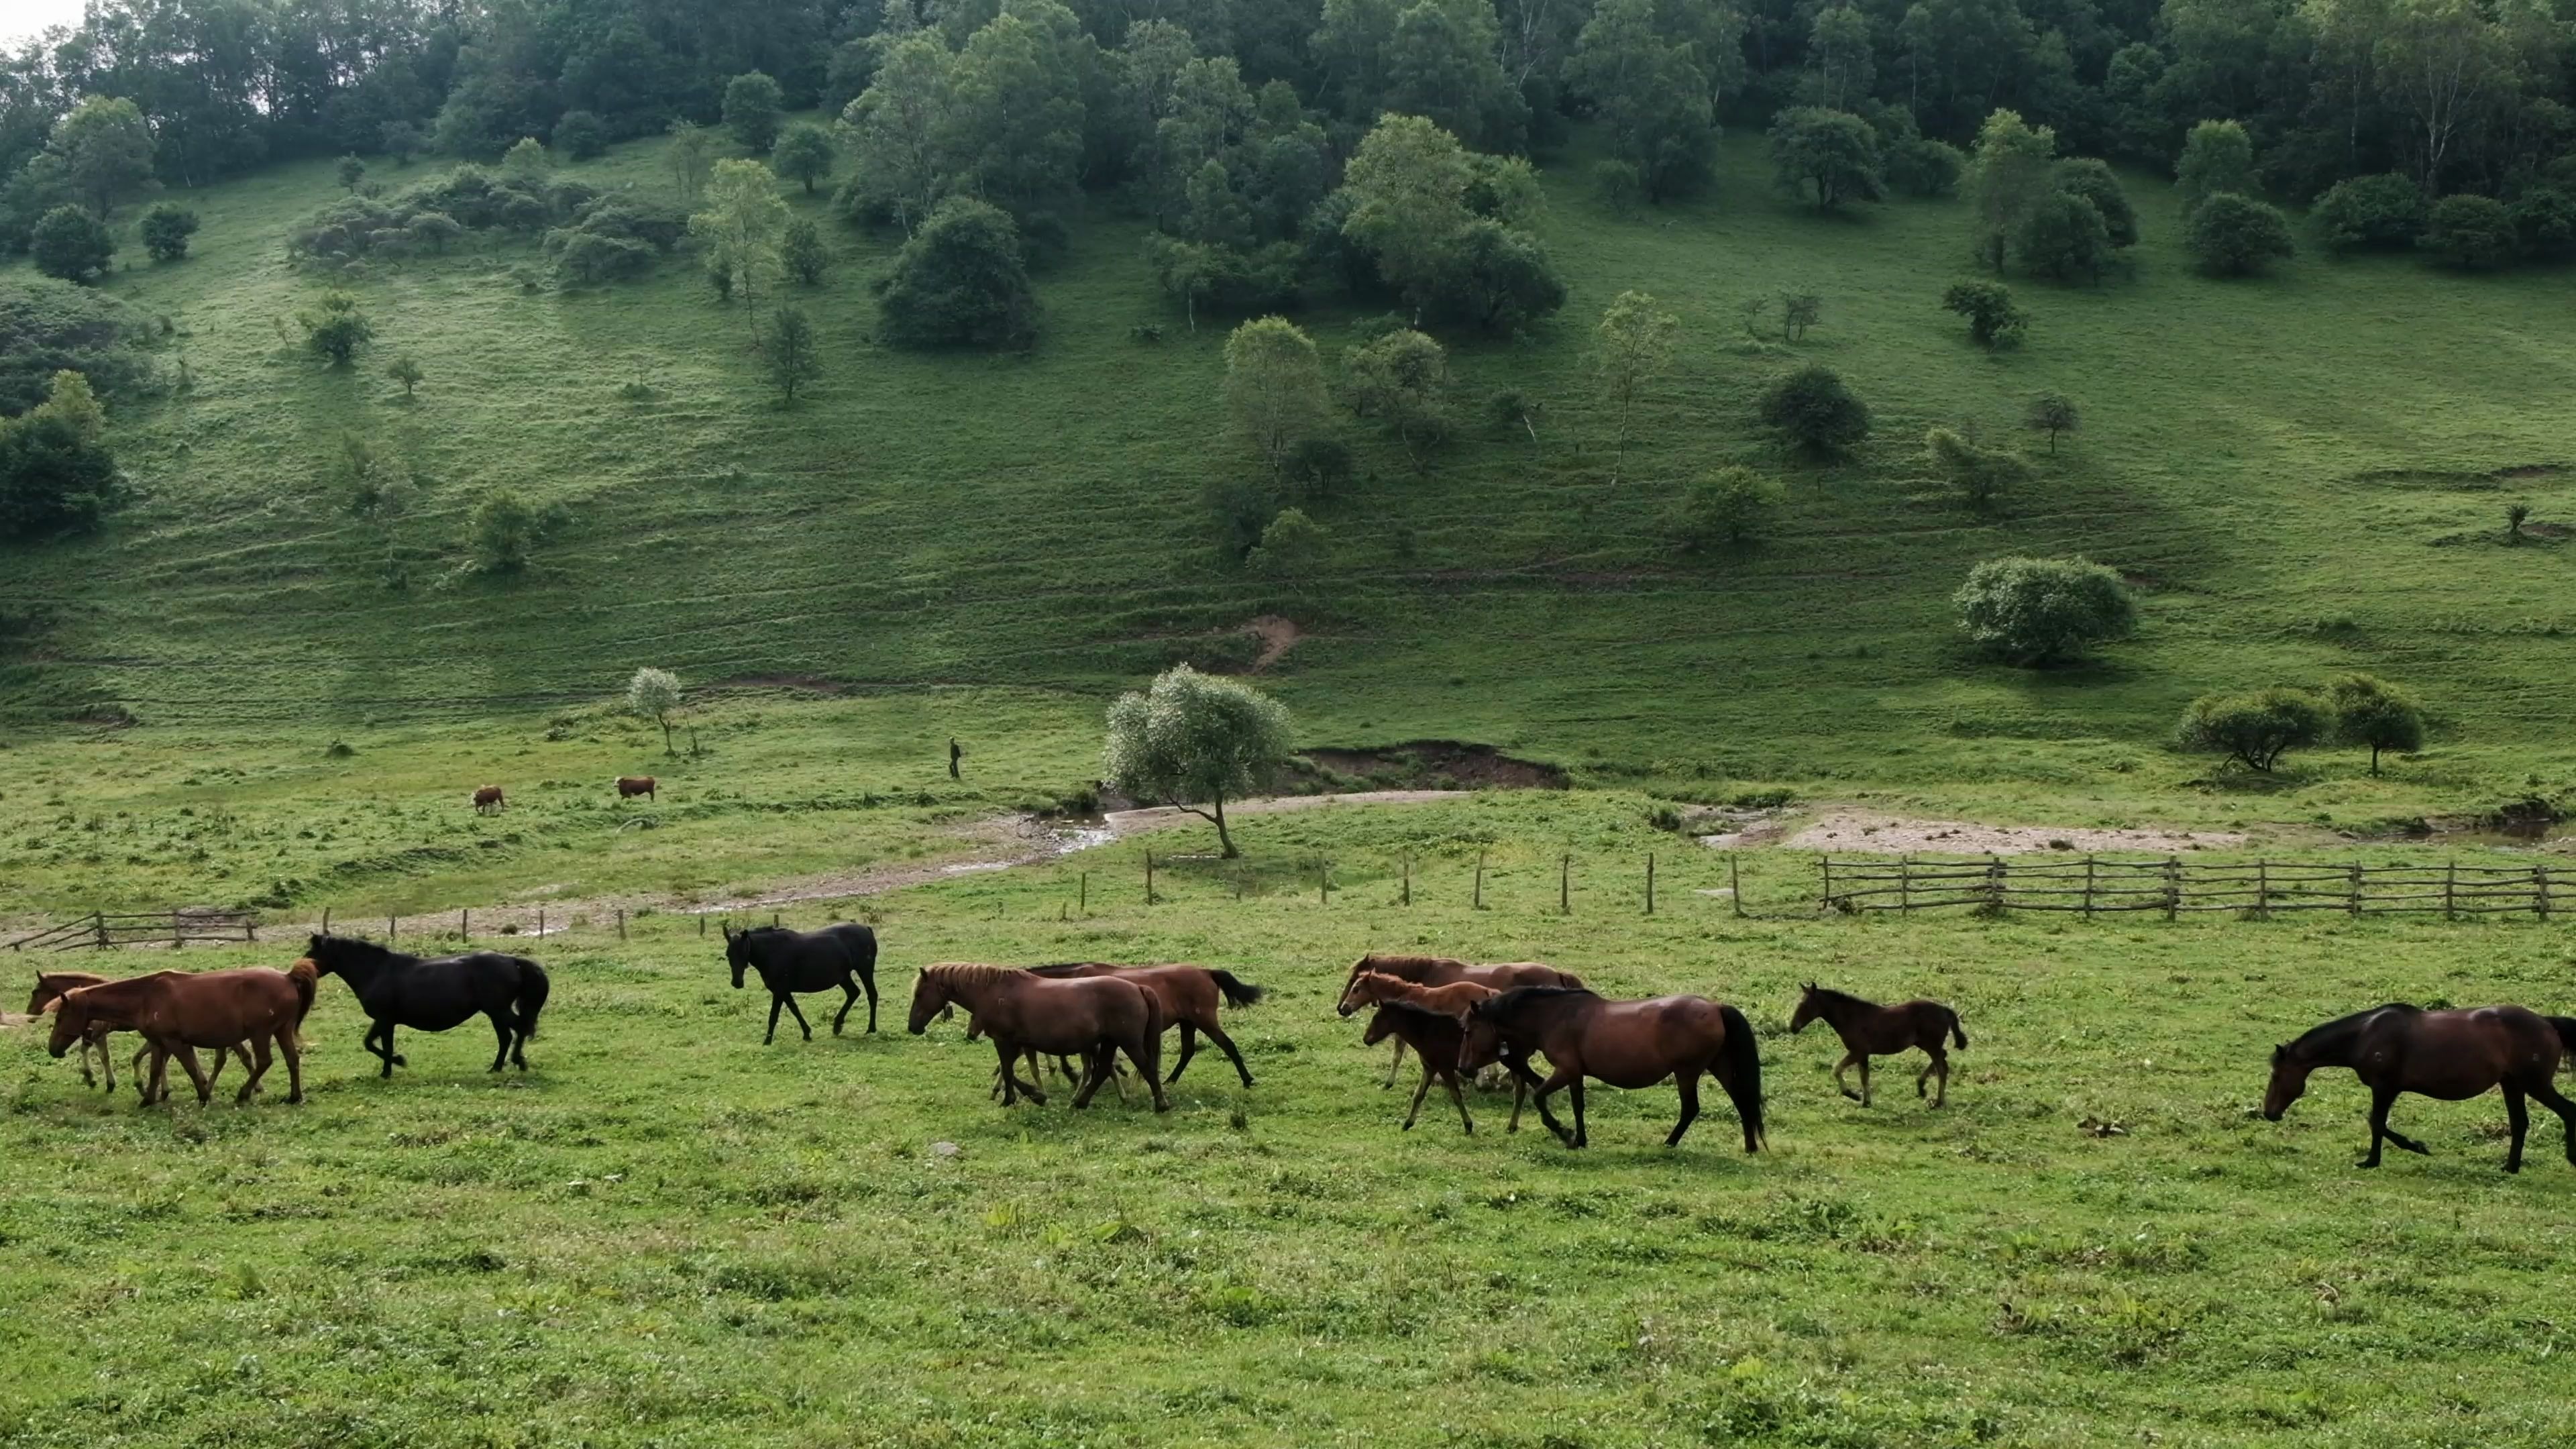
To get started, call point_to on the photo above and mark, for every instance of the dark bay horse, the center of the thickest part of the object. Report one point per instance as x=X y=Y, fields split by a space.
x=1443 y=970
x=1871 y=1030
x=630 y=786
x=395 y=990
x=177 y=1012
x=1096 y=1016
x=1435 y=1038
x=1623 y=1043
x=1188 y=996
x=792 y=961
x=2450 y=1055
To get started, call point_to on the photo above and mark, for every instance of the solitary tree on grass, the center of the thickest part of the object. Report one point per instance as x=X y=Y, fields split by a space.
x=335 y=329
x=2052 y=413
x=2371 y=712
x=1274 y=387
x=793 y=357
x=1994 y=319
x=805 y=154
x=166 y=229
x=751 y=105
x=654 y=694
x=1193 y=742
x=2255 y=729
x=405 y=371
x=2041 y=611
x=1811 y=408
x=1635 y=344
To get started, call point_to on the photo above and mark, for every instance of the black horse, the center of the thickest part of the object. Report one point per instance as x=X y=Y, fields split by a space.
x=794 y=961
x=395 y=989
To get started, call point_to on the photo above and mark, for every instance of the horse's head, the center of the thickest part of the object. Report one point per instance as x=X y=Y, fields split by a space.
x=318 y=950
x=1482 y=1043
x=1810 y=1006
x=2289 y=1083
x=71 y=1021
x=1366 y=988
x=737 y=952
x=929 y=999
x=1380 y=1027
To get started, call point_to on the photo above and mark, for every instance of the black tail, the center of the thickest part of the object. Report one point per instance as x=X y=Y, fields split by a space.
x=1957 y=1035
x=1742 y=1076
x=533 y=987
x=2566 y=1032
x=1238 y=992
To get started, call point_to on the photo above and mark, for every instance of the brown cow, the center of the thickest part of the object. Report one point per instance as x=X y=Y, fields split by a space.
x=630 y=786
x=488 y=799
x=177 y=1012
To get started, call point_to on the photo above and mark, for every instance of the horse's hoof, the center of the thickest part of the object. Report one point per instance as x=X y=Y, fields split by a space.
x=2513 y=1167
x=401 y=1061
x=1848 y=1092
x=2367 y=1162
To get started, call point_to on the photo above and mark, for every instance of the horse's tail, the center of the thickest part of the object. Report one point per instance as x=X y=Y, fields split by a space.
x=533 y=987
x=2566 y=1032
x=302 y=974
x=1238 y=992
x=1956 y=1035
x=1743 y=1075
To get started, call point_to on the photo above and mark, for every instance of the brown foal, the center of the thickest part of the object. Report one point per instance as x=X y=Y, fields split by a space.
x=1442 y=970
x=177 y=1012
x=1871 y=1030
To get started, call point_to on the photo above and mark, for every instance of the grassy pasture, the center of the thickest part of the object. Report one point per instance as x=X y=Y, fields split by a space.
x=2306 y=473
x=668 y=1234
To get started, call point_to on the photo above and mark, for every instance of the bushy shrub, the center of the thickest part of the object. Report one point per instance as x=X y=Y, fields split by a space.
x=2545 y=218
x=335 y=328
x=2042 y=611
x=56 y=473
x=71 y=244
x=2236 y=236
x=960 y=282
x=1980 y=474
x=2471 y=233
x=1729 y=506
x=1994 y=319
x=166 y=229
x=1811 y=408
x=2383 y=213
x=581 y=135
x=49 y=326
x=1920 y=166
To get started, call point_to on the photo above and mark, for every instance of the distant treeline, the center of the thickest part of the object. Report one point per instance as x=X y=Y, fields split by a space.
x=2457 y=95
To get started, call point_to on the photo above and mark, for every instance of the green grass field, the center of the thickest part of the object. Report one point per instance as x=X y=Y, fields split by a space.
x=2307 y=474
x=667 y=1234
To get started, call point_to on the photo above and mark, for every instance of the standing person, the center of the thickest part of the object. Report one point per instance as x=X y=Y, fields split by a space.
x=953 y=754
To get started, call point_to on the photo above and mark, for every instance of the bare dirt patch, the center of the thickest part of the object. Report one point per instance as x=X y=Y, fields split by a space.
x=1897 y=835
x=1437 y=765
x=1278 y=634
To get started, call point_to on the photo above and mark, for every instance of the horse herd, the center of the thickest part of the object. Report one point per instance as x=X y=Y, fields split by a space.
x=1459 y=1018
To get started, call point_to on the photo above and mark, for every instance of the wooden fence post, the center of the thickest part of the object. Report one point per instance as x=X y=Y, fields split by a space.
x=99 y=919
x=1734 y=886
x=1149 y=877
x=178 y=929
x=2450 y=884
x=2262 y=890
x=2088 y=887
x=1905 y=882
x=541 y=922
x=250 y=927
x=2540 y=890
x=464 y=923
x=1480 y=880
x=1995 y=883
x=1827 y=862
x=390 y=922
x=773 y=919
x=1323 y=881
x=2173 y=887
x=1650 y=882
x=1082 y=895
x=2354 y=907
x=326 y=920
x=702 y=925
x=621 y=923
x=1408 y=879
x=1565 y=884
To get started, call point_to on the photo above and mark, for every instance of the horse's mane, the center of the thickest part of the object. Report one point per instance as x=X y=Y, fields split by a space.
x=1061 y=969
x=352 y=945
x=1520 y=996
x=2345 y=1025
x=1841 y=998
x=1415 y=1008
x=1392 y=965
x=968 y=972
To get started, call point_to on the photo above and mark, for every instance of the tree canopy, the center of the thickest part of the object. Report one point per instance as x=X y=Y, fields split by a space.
x=1194 y=742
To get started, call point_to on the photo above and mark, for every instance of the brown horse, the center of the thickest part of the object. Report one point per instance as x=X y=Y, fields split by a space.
x=1188 y=996
x=178 y=1012
x=1871 y=1030
x=1097 y=1016
x=2451 y=1055
x=488 y=799
x=630 y=786
x=1441 y=971
x=1623 y=1043
x=1435 y=1037
x=50 y=987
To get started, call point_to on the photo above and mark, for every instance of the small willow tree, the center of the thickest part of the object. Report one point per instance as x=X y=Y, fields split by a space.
x=1192 y=741
x=654 y=694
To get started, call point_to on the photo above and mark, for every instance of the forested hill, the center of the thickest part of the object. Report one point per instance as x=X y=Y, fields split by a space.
x=2454 y=94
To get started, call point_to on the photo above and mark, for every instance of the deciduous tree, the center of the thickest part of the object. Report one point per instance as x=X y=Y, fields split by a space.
x=654 y=694
x=1194 y=742
x=1631 y=348
x=2376 y=715
x=2041 y=611
x=1274 y=388
x=2255 y=729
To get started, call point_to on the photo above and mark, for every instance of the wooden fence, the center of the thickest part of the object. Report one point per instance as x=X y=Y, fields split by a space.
x=99 y=930
x=2258 y=888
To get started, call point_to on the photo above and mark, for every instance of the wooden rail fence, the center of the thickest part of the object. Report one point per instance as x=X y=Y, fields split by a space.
x=100 y=930
x=2095 y=886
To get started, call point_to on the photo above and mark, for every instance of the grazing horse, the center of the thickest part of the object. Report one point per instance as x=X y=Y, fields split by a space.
x=792 y=961
x=1871 y=1030
x=630 y=786
x=1097 y=1016
x=50 y=986
x=1188 y=996
x=178 y=1012
x=395 y=990
x=1441 y=971
x=2451 y=1055
x=488 y=799
x=1626 y=1044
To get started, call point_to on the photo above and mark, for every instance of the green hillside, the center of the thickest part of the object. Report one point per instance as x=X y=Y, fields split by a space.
x=2306 y=473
